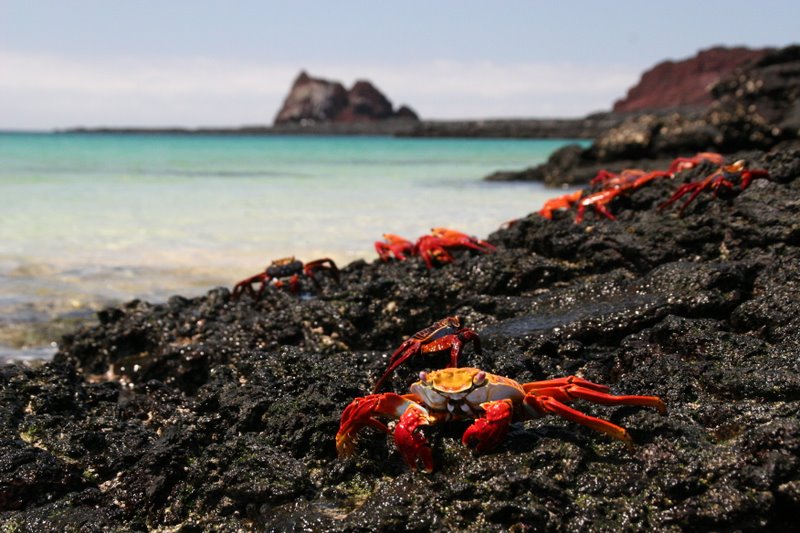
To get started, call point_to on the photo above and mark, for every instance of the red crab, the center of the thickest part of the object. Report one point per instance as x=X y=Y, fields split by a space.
x=562 y=202
x=685 y=163
x=435 y=247
x=445 y=334
x=723 y=177
x=615 y=184
x=492 y=401
x=279 y=270
x=394 y=245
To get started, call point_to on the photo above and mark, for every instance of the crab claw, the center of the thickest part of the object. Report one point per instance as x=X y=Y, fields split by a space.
x=487 y=432
x=361 y=413
x=410 y=441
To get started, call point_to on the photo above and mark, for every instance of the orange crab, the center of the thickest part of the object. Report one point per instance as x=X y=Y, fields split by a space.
x=723 y=177
x=562 y=202
x=285 y=272
x=444 y=334
x=685 y=163
x=492 y=401
x=394 y=245
x=615 y=184
x=435 y=247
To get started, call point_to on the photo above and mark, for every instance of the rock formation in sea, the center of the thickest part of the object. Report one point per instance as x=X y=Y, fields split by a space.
x=315 y=100
x=687 y=82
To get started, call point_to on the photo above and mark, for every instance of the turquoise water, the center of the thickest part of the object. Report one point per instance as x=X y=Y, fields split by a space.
x=92 y=220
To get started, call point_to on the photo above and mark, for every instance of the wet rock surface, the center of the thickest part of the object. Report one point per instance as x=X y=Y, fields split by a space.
x=209 y=413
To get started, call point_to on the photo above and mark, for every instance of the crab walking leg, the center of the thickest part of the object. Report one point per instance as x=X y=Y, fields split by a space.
x=396 y=362
x=546 y=404
x=456 y=344
x=553 y=399
x=361 y=413
x=561 y=382
x=572 y=388
x=246 y=286
x=487 y=432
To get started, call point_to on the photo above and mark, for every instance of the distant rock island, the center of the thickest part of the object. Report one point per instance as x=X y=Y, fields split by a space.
x=314 y=101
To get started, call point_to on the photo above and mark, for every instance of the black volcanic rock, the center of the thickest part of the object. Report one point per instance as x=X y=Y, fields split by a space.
x=214 y=414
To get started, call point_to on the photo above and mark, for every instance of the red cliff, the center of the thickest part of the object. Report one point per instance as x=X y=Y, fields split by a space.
x=686 y=83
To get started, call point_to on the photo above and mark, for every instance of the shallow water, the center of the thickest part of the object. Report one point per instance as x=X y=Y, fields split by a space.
x=93 y=220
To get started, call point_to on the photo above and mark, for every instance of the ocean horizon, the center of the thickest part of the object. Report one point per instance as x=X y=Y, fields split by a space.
x=92 y=220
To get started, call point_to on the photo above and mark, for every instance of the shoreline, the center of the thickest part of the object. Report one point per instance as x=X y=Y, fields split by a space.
x=587 y=127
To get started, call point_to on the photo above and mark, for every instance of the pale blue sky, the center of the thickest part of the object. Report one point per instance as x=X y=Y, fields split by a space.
x=203 y=62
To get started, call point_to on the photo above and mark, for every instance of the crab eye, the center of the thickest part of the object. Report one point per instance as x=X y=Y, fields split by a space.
x=480 y=378
x=423 y=376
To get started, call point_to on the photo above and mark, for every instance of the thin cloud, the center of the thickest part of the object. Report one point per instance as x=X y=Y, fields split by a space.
x=51 y=91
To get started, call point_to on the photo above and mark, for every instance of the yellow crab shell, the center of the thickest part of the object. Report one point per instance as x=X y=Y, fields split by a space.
x=461 y=391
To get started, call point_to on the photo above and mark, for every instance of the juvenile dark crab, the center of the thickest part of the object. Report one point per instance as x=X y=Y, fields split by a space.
x=492 y=401
x=445 y=334
x=285 y=272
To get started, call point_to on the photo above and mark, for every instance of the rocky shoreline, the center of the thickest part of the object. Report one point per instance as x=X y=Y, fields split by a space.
x=210 y=413
x=756 y=106
x=566 y=128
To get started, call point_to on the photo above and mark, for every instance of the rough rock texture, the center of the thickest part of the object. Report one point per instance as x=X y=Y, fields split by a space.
x=587 y=127
x=757 y=106
x=683 y=83
x=212 y=414
x=315 y=100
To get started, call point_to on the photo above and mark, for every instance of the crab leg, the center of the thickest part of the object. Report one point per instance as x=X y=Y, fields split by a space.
x=560 y=382
x=552 y=396
x=456 y=344
x=572 y=387
x=247 y=286
x=546 y=404
x=310 y=269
